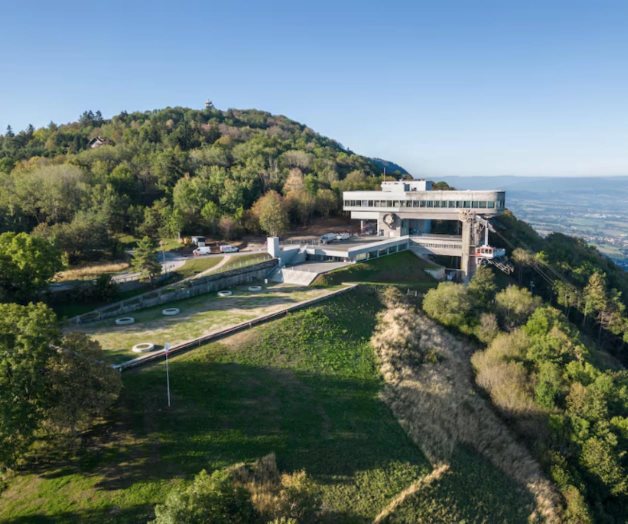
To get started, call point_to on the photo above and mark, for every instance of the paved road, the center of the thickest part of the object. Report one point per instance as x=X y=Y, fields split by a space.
x=170 y=261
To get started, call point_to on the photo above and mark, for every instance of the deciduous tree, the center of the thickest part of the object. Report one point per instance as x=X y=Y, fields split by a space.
x=27 y=263
x=271 y=214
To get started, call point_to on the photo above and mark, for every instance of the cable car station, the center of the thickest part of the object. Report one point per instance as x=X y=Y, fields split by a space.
x=406 y=210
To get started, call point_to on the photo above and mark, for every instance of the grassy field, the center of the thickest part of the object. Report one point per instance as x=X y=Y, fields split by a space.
x=399 y=269
x=194 y=266
x=244 y=260
x=199 y=316
x=489 y=495
x=304 y=387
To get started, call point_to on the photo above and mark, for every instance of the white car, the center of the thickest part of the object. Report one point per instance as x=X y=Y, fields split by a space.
x=228 y=249
x=343 y=236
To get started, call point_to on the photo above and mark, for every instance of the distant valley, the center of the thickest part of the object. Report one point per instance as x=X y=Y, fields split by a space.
x=595 y=209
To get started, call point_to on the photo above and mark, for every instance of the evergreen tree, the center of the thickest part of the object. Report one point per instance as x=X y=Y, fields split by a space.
x=595 y=298
x=145 y=259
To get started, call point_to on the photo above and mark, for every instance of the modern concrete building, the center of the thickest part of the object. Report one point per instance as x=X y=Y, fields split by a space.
x=407 y=208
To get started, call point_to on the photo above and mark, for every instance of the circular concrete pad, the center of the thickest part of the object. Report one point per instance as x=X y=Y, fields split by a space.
x=144 y=347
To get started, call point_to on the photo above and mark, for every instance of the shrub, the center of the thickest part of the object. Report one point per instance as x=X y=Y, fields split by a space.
x=488 y=327
x=449 y=304
x=244 y=493
x=515 y=305
x=210 y=499
x=298 y=499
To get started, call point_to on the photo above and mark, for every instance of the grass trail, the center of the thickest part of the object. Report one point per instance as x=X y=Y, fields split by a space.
x=411 y=490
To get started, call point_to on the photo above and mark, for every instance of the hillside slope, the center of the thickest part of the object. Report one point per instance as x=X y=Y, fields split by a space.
x=168 y=171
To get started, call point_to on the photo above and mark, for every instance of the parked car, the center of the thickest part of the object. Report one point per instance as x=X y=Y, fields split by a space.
x=327 y=238
x=343 y=236
x=203 y=250
x=229 y=249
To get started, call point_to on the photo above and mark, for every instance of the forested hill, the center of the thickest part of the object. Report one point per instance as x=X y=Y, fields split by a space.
x=171 y=170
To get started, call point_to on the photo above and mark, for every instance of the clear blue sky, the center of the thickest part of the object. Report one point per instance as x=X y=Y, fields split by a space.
x=443 y=88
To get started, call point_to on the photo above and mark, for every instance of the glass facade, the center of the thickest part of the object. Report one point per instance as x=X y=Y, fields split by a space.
x=414 y=203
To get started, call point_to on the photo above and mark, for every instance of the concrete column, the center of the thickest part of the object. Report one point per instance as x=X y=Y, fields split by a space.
x=467 y=261
x=272 y=245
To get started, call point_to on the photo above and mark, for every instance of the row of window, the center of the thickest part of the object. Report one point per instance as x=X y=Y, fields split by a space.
x=441 y=246
x=454 y=204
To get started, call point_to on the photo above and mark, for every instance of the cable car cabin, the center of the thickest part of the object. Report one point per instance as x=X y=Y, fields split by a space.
x=489 y=252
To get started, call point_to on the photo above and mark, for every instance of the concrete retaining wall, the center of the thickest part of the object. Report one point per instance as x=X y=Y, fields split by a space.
x=181 y=290
x=191 y=344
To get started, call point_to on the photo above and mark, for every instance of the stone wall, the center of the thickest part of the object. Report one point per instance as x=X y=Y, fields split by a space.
x=181 y=290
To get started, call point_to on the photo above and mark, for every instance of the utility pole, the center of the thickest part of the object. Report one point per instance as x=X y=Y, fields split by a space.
x=167 y=348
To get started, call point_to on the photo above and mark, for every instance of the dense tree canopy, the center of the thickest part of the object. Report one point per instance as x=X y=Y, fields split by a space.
x=169 y=171
x=49 y=383
x=539 y=371
x=27 y=263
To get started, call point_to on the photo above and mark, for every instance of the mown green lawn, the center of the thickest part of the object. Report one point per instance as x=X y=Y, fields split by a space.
x=403 y=269
x=198 y=316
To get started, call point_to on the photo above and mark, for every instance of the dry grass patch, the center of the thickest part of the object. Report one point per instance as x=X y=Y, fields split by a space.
x=89 y=272
x=435 y=401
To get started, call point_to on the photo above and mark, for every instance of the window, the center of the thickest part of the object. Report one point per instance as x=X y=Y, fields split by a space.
x=491 y=204
x=430 y=203
x=483 y=204
x=452 y=203
x=475 y=203
x=467 y=203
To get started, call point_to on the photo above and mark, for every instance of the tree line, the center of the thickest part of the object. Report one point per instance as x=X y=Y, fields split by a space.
x=168 y=172
x=555 y=385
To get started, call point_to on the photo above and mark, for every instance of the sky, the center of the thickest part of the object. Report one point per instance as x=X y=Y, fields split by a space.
x=532 y=88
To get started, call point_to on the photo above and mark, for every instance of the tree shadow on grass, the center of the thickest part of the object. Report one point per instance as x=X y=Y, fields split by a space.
x=110 y=514
x=225 y=413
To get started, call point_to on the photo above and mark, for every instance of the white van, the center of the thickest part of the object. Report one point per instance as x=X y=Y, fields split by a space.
x=228 y=249
x=327 y=238
x=343 y=236
x=203 y=250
